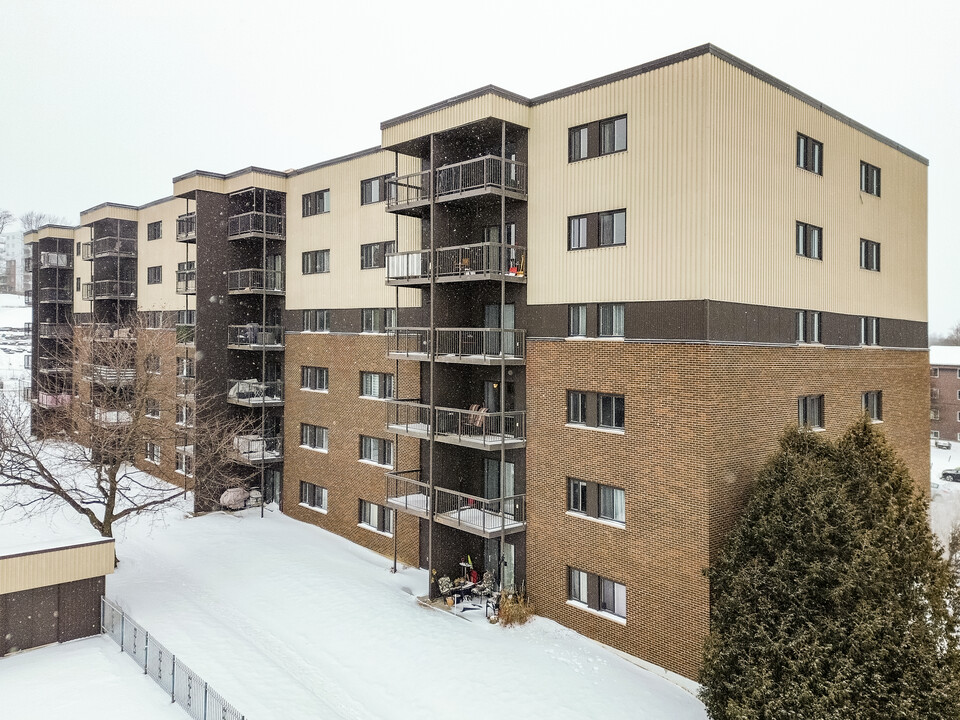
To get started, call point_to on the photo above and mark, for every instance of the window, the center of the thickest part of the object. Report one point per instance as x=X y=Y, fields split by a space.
x=596 y=500
x=185 y=415
x=612 y=503
x=597 y=593
x=935 y=372
x=186 y=367
x=577 y=232
x=376 y=517
x=810 y=412
x=154 y=274
x=934 y=413
x=152 y=364
x=313 y=378
x=613 y=597
x=316 y=320
x=611 y=320
x=153 y=318
x=613 y=135
x=873 y=405
x=154 y=230
x=377 y=451
x=809 y=154
x=78 y=284
x=610 y=411
x=376 y=320
x=78 y=249
x=577 y=590
x=869 y=331
x=809 y=241
x=373 y=255
x=578 y=321
x=186 y=317
x=374 y=190
x=869 y=255
x=313 y=496
x=315 y=261
x=152 y=452
x=376 y=385
x=613 y=227
x=314 y=437
x=934 y=393
x=576 y=407
x=578 y=143
x=869 y=179
x=576 y=495
x=934 y=434
x=316 y=203
x=808 y=326
x=152 y=408
x=185 y=464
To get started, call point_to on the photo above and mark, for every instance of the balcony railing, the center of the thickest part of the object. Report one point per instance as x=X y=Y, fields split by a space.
x=255 y=280
x=407 y=492
x=28 y=297
x=113 y=247
x=113 y=376
x=55 y=330
x=488 y=173
x=256 y=223
x=50 y=400
x=257 y=449
x=63 y=261
x=186 y=334
x=255 y=393
x=476 y=346
x=186 y=282
x=187 y=228
x=52 y=365
x=252 y=337
x=110 y=289
x=460 y=263
x=475 y=427
x=55 y=295
x=110 y=417
x=186 y=386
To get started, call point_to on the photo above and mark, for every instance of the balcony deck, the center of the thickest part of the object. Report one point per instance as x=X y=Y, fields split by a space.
x=254 y=281
x=469 y=346
x=187 y=228
x=257 y=450
x=255 y=393
x=252 y=337
x=459 y=263
x=473 y=428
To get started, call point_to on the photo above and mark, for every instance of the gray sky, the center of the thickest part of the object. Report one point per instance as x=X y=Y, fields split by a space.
x=108 y=100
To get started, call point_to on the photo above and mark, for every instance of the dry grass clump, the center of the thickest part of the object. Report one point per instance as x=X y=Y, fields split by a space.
x=515 y=609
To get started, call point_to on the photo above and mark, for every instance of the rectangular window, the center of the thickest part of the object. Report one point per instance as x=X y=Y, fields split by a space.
x=869 y=179
x=873 y=405
x=313 y=496
x=78 y=284
x=613 y=135
x=376 y=385
x=611 y=320
x=809 y=241
x=78 y=249
x=612 y=504
x=613 y=227
x=577 y=586
x=154 y=274
x=185 y=415
x=577 y=232
x=374 y=190
x=610 y=411
x=935 y=372
x=185 y=464
x=376 y=517
x=934 y=393
x=316 y=203
x=152 y=452
x=613 y=597
x=578 y=143
x=153 y=318
x=377 y=320
x=801 y=326
x=313 y=436
x=869 y=331
x=934 y=413
x=577 y=326
x=810 y=412
x=186 y=317
x=809 y=154
x=869 y=255
x=154 y=230
x=152 y=364
x=576 y=495
x=377 y=451
x=315 y=261
x=152 y=408
x=316 y=320
x=313 y=378
x=934 y=434
x=576 y=407
x=808 y=326
x=373 y=255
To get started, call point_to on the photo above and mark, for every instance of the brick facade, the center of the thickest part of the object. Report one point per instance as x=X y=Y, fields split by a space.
x=945 y=402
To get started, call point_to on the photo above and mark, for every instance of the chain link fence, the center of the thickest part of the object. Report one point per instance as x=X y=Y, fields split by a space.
x=185 y=687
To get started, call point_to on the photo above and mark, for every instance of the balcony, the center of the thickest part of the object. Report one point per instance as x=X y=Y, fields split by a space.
x=28 y=297
x=110 y=246
x=257 y=449
x=252 y=337
x=407 y=493
x=59 y=261
x=105 y=417
x=255 y=393
x=111 y=376
x=28 y=328
x=488 y=174
x=255 y=224
x=110 y=290
x=26 y=394
x=474 y=428
x=52 y=366
x=254 y=281
x=55 y=295
x=50 y=400
x=470 y=346
x=187 y=228
x=59 y=331
x=186 y=282
x=460 y=263
x=186 y=334
x=186 y=386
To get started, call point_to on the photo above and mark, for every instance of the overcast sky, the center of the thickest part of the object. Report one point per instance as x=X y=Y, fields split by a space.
x=108 y=100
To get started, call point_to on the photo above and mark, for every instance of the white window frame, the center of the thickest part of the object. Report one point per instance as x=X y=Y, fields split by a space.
x=610 y=320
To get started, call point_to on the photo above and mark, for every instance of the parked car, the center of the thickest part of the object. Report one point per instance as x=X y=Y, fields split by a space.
x=951 y=475
x=942 y=444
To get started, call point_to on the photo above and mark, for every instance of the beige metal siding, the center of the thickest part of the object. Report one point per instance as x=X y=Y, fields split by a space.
x=59 y=565
x=342 y=231
x=165 y=252
x=462 y=113
x=219 y=184
x=108 y=211
x=82 y=269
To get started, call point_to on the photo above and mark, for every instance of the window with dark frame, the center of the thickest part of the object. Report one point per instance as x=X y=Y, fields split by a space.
x=597 y=593
x=373 y=255
x=314 y=437
x=154 y=274
x=314 y=496
x=576 y=407
x=610 y=411
x=154 y=230
x=578 y=143
x=934 y=413
x=377 y=320
x=809 y=154
x=596 y=500
x=613 y=228
x=809 y=241
x=78 y=249
x=313 y=378
x=376 y=450
x=869 y=255
x=869 y=179
x=375 y=517
x=78 y=284
x=810 y=412
x=374 y=190
x=576 y=495
x=873 y=405
x=577 y=586
x=808 y=326
x=577 y=321
x=613 y=135
x=610 y=319
x=316 y=321
x=603 y=137
x=869 y=330
x=316 y=203
x=599 y=229
x=577 y=232
x=152 y=452
x=152 y=409
x=376 y=385
x=315 y=261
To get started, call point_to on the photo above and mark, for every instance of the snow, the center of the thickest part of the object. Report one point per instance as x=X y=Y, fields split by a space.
x=944 y=495
x=945 y=355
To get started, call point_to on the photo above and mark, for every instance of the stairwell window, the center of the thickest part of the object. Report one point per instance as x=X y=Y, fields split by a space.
x=873 y=405
x=809 y=154
x=611 y=319
x=313 y=496
x=809 y=241
x=810 y=412
x=869 y=255
x=316 y=203
x=869 y=179
x=316 y=261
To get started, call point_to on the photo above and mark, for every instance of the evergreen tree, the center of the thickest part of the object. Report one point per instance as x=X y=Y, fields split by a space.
x=831 y=599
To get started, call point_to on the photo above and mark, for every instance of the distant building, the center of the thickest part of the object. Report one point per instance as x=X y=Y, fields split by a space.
x=945 y=392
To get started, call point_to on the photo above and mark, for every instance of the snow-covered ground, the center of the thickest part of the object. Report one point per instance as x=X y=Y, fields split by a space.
x=944 y=496
x=14 y=343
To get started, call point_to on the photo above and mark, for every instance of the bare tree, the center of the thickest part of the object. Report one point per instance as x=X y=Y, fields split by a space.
x=6 y=217
x=85 y=438
x=33 y=219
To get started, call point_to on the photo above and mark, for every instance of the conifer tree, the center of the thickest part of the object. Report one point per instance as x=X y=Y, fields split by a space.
x=831 y=599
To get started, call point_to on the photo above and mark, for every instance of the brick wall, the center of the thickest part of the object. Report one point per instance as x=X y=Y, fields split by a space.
x=946 y=387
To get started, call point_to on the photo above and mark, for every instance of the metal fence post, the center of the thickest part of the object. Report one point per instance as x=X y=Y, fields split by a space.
x=102 y=609
x=205 y=699
x=121 y=631
x=146 y=651
x=173 y=678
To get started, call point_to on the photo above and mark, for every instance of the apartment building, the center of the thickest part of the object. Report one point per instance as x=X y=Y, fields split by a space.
x=945 y=393
x=554 y=336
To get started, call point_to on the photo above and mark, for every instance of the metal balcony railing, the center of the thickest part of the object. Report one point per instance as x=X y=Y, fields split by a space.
x=110 y=289
x=479 y=261
x=469 y=176
x=255 y=392
x=114 y=247
x=51 y=365
x=186 y=334
x=256 y=223
x=187 y=227
x=480 y=516
x=50 y=400
x=253 y=280
x=113 y=376
x=256 y=449
x=62 y=261
x=186 y=282
x=54 y=295
x=475 y=427
x=468 y=345
x=252 y=336
x=55 y=330
x=406 y=490
x=108 y=416
x=408 y=189
x=186 y=386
